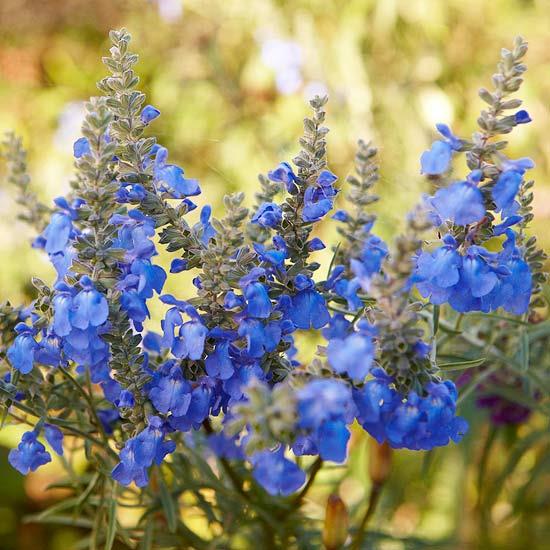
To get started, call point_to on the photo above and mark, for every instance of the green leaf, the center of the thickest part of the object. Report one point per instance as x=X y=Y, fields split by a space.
x=462 y=365
x=147 y=540
x=519 y=449
x=435 y=319
x=168 y=504
x=111 y=521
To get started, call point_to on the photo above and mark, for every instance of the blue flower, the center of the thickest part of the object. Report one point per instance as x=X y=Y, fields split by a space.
x=519 y=165
x=57 y=233
x=352 y=355
x=148 y=114
x=325 y=408
x=258 y=304
x=522 y=117
x=437 y=160
x=260 y=338
x=21 y=352
x=219 y=363
x=29 y=455
x=81 y=147
x=140 y=452
x=205 y=228
x=54 y=436
x=276 y=474
x=192 y=334
x=172 y=177
x=308 y=308
x=171 y=393
x=439 y=270
x=504 y=192
x=284 y=174
x=461 y=203
x=178 y=265
x=315 y=244
x=316 y=204
x=90 y=306
x=370 y=262
x=268 y=214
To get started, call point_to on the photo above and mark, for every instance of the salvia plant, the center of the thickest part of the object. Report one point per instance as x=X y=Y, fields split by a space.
x=215 y=409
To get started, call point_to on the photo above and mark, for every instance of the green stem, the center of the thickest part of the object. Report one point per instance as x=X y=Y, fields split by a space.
x=88 y=398
x=373 y=502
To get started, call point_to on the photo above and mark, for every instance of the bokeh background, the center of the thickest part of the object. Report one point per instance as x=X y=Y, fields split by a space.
x=232 y=79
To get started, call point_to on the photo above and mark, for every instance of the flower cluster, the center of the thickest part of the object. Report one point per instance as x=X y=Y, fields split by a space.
x=224 y=361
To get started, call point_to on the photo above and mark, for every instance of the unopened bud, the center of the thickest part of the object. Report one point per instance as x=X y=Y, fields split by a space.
x=380 y=457
x=335 y=531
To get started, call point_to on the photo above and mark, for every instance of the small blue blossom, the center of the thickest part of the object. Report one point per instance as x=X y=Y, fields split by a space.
x=352 y=355
x=461 y=203
x=505 y=191
x=57 y=233
x=522 y=117
x=268 y=214
x=29 y=455
x=21 y=353
x=284 y=174
x=54 y=436
x=81 y=147
x=276 y=474
x=437 y=160
x=171 y=393
x=148 y=114
x=308 y=309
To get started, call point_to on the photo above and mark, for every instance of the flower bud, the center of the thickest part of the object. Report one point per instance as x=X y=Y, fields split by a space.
x=379 y=461
x=335 y=531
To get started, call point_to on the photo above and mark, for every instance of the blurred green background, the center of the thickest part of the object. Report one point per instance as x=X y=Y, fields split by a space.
x=232 y=79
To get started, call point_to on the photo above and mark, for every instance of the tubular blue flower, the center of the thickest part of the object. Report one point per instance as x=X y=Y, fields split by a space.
x=505 y=191
x=54 y=436
x=260 y=338
x=125 y=399
x=352 y=355
x=315 y=207
x=522 y=117
x=218 y=363
x=178 y=265
x=268 y=214
x=142 y=451
x=90 y=306
x=325 y=407
x=461 y=203
x=29 y=455
x=57 y=233
x=258 y=304
x=519 y=165
x=22 y=352
x=333 y=440
x=370 y=262
x=276 y=474
x=437 y=160
x=204 y=227
x=438 y=271
x=315 y=244
x=171 y=393
x=81 y=147
x=284 y=174
x=148 y=114
x=172 y=177
x=190 y=342
x=308 y=308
